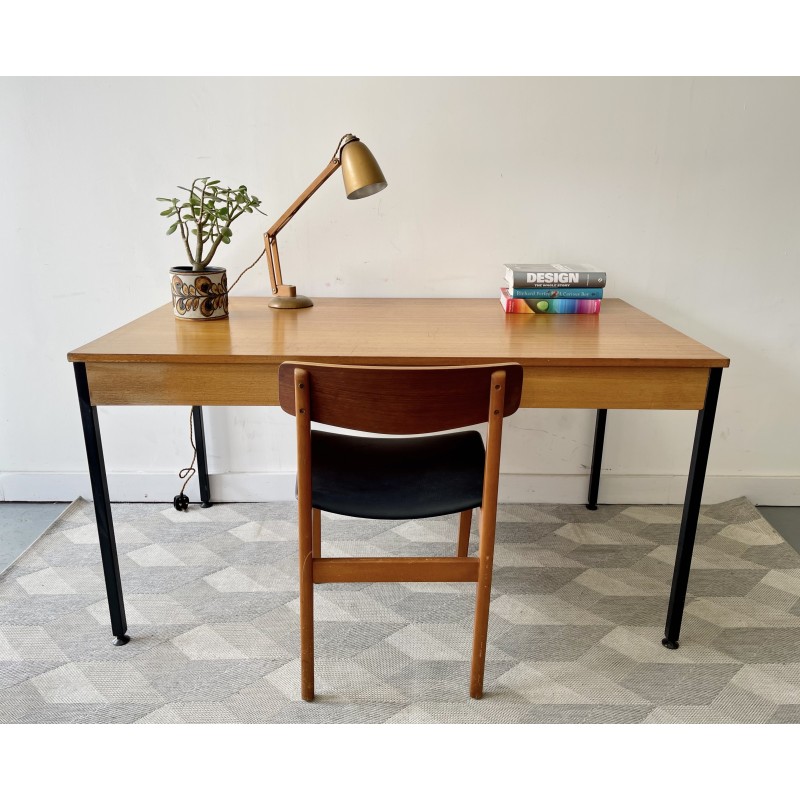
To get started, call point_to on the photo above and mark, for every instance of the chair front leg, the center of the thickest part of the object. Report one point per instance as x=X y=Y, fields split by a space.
x=482 y=599
x=305 y=519
x=486 y=526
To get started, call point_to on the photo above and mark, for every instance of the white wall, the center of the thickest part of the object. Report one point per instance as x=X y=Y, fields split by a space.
x=686 y=191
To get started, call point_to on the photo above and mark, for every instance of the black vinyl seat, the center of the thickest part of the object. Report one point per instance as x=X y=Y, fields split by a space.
x=396 y=478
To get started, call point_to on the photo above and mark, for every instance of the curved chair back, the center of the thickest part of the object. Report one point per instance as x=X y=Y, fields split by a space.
x=399 y=400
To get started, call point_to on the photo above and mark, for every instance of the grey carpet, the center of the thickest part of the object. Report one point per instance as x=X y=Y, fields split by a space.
x=577 y=615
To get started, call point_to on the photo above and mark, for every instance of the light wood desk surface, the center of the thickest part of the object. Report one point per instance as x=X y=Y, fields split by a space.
x=620 y=358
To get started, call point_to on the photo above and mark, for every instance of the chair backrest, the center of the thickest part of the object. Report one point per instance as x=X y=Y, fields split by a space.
x=399 y=400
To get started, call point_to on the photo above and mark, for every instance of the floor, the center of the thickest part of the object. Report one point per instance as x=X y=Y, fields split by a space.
x=575 y=636
x=22 y=523
x=785 y=520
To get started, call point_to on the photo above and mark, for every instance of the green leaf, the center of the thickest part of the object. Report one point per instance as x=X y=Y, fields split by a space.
x=213 y=183
x=249 y=210
x=226 y=239
x=168 y=213
x=163 y=199
x=172 y=228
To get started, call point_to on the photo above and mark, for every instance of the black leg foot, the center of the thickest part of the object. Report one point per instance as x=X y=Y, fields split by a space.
x=121 y=640
x=207 y=504
x=591 y=506
x=669 y=644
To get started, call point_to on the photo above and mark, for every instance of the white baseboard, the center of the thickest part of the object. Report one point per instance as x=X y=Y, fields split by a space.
x=765 y=490
x=137 y=487
x=239 y=487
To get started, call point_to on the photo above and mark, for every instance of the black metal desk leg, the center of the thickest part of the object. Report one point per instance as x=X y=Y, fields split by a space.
x=691 y=510
x=202 y=461
x=102 y=507
x=597 y=458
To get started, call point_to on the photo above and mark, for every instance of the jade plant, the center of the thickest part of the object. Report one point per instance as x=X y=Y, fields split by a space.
x=207 y=214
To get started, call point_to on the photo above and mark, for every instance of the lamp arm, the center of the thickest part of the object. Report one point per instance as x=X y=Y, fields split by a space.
x=273 y=277
x=271 y=236
x=304 y=197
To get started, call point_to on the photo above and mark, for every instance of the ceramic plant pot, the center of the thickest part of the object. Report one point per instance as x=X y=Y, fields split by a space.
x=199 y=295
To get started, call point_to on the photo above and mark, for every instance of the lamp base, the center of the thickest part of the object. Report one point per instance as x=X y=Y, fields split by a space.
x=297 y=301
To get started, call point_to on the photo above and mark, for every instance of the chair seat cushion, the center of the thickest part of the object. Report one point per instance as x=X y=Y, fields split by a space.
x=396 y=478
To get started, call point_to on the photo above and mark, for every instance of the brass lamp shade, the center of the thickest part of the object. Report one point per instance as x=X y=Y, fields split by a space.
x=361 y=173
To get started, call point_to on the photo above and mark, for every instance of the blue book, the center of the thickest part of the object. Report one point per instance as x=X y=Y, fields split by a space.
x=552 y=294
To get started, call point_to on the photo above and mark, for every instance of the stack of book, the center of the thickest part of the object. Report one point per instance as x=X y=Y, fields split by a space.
x=552 y=289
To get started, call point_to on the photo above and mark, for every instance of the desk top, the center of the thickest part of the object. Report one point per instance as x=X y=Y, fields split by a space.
x=410 y=331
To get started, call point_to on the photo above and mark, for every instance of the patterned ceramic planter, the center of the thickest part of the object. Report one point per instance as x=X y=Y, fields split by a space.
x=199 y=295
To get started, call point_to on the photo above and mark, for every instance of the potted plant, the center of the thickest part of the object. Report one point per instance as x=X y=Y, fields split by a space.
x=204 y=219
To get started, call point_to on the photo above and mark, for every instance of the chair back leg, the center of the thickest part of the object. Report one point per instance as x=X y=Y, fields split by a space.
x=316 y=533
x=464 y=524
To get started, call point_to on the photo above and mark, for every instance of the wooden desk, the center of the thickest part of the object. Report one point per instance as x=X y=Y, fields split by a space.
x=621 y=358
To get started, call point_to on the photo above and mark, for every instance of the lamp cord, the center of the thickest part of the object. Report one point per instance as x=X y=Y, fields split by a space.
x=337 y=151
x=230 y=288
x=181 y=502
x=189 y=472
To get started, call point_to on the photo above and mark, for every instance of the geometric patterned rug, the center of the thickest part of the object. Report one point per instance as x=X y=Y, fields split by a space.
x=577 y=615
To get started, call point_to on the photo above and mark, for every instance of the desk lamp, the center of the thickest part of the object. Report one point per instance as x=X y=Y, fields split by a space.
x=362 y=177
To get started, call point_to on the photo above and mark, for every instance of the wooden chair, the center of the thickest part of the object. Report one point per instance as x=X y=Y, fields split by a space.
x=410 y=477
